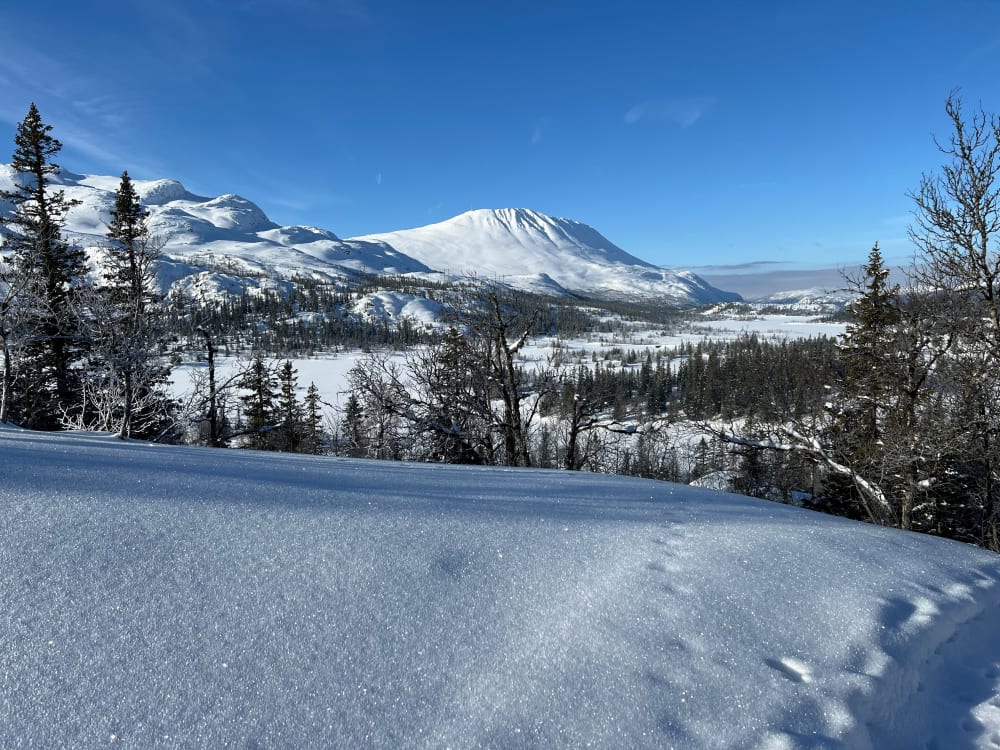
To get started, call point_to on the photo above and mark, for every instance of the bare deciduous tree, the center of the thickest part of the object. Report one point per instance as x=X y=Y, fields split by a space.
x=957 y=232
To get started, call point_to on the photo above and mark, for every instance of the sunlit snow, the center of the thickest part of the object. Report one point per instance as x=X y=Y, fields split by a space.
x=178 y=597
x=510 y=244
x=524 y=248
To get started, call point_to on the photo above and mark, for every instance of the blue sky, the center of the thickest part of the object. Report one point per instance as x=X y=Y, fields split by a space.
x=689 y=133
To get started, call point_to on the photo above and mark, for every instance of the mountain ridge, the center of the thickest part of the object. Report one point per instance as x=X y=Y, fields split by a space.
x=523 y=227
x=545 y=250
x=522 y=247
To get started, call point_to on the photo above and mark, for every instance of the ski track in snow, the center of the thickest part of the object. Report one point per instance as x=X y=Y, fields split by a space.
x=953 y=701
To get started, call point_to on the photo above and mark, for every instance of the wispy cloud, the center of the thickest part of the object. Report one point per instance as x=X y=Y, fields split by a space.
x=190 y=25
x=84 y=142
x=286 y=201
x=302 y=203
x=85 y=117
x=104 y=111
x=541 y=125
x=682 y=111
x=26 y=71
x=199 y=34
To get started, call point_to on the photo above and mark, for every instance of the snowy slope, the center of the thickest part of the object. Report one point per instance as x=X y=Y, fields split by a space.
x=394 y=306
x=510 y=243
x=171 y=597
x=230 y=234
x=810 y=299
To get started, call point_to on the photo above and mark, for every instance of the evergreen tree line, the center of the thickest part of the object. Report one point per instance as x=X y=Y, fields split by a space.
x=468 y=399
x=272 y=417
x=751 y=377
x=306 y=319
x=747 y=376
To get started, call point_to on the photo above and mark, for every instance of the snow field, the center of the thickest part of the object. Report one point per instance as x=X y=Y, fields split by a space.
x=329 y=372
x=176 y=597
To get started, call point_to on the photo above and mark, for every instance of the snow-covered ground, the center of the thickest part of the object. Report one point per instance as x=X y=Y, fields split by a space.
x=771 y=325
x=645 y=338
x=392 y=307
x=177 y=597
x=329 y=371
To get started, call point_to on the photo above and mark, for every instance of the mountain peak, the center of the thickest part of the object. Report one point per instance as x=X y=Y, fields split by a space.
x=526 y=248
x=517 y=243
x=158 y=192
x=514 y=217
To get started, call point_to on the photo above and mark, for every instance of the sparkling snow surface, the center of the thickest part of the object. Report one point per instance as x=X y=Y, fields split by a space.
x=176 y=597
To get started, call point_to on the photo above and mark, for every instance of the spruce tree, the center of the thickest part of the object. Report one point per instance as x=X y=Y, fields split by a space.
x=890 y=426
x=130 y=263
x=51 y=271
x=258 y=403
x=857 y=430
x=288 y=412
x=129 y=369
x=867 y=349
x=452 y=412
x=313 y=437
x=353 y=427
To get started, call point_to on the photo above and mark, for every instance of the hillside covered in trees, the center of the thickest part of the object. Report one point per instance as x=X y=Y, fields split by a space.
x=894 y=422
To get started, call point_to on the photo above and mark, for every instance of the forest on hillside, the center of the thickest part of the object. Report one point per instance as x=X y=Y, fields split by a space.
x=895 y=422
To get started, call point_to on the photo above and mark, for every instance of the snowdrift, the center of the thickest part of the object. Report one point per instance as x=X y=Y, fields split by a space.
x=177 y=597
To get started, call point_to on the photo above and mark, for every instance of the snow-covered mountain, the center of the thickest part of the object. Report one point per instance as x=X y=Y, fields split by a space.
x=815 y=298
x=530 y=249
x=227 y=235
x=230 y=235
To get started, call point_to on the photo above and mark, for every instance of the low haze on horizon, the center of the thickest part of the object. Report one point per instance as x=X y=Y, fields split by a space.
x=689 y=134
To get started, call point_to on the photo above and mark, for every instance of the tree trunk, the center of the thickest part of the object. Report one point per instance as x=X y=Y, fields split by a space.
x=126 y=426
x=5 y=389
